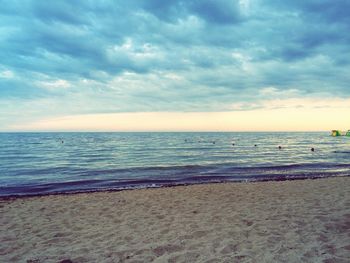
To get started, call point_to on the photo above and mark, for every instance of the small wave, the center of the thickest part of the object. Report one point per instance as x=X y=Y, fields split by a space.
x=99 y=161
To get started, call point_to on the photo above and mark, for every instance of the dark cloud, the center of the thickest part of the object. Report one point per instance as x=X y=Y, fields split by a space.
x=57 y=12
x=324 y=10
x=15 y=88
x=221 y=12
x=212 y=11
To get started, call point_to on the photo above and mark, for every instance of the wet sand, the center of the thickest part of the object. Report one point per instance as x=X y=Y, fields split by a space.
x=290 y=221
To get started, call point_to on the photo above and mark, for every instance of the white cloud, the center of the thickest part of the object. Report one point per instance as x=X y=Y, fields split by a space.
x=7 y=74
x=293 y=103
x=55 y=84
x=308 y=103
x=134 y=53
x=244 y=6
x=272 y=91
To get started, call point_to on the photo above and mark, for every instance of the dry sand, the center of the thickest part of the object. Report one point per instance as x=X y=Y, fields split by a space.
x=291 y=221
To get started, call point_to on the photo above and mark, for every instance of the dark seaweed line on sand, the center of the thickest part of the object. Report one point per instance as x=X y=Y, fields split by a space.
x=163 y=183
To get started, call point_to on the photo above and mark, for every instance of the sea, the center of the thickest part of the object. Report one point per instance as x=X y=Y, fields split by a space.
x=53 y=163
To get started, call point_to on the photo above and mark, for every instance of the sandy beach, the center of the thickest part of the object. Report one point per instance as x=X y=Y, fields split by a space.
x=289 y=221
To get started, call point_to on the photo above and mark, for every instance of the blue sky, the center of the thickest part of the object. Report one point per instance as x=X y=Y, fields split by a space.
x=60 y=59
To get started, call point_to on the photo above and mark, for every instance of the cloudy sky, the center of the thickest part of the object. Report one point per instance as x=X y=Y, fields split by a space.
x=174 y=65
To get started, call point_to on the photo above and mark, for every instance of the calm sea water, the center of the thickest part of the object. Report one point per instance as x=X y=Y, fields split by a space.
x=42 y=163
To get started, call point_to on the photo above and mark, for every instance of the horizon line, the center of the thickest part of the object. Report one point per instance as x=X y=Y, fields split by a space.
x=160 y=131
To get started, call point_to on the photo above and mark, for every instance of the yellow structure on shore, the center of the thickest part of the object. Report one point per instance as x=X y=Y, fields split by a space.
x=340 y=133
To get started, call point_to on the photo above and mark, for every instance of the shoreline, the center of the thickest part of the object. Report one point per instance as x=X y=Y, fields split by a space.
x=166 y=185
x=274 y=221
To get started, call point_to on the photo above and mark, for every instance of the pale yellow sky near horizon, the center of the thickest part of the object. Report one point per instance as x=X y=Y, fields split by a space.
x=254 y=120
x=275 y=115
